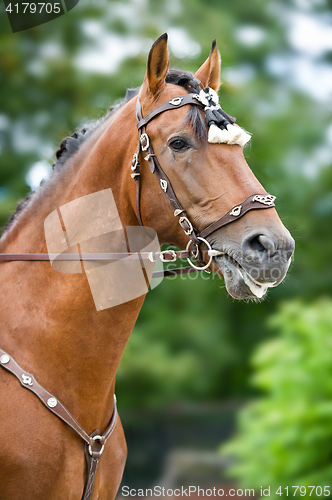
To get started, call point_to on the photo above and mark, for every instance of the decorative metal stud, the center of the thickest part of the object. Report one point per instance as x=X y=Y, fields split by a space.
x=27 y=380
x=4 y=359
x=152 y=257
x=267 y=199
x=149 y=156
x=236 y=211
x=163 y=185
x=176 y=101
x=52 y=402
x=134 y=163
x=145 y=142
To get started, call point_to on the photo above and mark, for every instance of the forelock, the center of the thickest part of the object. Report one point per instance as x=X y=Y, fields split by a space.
x=186 y=80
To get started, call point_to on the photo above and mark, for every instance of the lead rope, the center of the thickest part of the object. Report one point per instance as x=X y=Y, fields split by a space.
x=94 y=443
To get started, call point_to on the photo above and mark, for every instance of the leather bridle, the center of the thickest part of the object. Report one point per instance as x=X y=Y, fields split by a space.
x=94 y=443
x=253 y=202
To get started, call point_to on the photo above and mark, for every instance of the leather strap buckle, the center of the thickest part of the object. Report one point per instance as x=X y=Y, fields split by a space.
x=186 y=225
x=170 y=253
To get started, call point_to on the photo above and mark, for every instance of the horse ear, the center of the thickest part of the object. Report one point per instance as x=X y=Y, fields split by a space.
x=209 y=73
x=157 y=66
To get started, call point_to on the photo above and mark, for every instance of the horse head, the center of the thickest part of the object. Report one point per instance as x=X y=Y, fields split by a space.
x=202 y=165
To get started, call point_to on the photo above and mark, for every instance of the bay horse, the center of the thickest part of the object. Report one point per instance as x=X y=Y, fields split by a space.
x=49 y=324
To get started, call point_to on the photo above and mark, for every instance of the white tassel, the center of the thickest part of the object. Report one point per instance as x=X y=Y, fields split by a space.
x=245 y=137
x=217 y=135
x=235 y=133
x=232 y=135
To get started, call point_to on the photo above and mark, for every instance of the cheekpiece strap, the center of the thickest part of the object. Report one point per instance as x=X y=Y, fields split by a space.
x=146 y=147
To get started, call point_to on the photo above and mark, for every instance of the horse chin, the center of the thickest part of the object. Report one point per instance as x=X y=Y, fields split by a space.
x=238 y=283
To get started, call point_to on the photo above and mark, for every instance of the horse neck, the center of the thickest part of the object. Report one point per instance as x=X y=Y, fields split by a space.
x=50 y=323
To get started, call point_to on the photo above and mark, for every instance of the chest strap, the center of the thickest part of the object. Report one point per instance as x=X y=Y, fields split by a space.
x=94 y=443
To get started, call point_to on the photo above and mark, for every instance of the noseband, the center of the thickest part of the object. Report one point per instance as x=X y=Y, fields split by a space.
x=253 y=202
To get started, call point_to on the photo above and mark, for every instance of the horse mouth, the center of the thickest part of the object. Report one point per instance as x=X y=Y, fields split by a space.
x=239 y=283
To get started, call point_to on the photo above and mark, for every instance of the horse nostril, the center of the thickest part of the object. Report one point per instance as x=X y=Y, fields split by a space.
x=262 y=244
x=267 y=244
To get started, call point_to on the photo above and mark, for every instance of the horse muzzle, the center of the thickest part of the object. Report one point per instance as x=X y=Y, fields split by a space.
x=260 y=262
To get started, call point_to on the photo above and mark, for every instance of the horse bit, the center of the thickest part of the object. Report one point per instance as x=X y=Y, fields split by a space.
x=95 y=442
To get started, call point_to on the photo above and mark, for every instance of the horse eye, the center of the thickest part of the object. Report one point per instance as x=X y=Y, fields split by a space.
x=179 y=145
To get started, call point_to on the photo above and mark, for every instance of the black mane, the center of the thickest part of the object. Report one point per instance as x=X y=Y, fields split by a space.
x=70 y=145
x=185 y=79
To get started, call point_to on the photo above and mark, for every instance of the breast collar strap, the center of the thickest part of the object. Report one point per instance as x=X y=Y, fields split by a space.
x=94 y=443
x=253 y=202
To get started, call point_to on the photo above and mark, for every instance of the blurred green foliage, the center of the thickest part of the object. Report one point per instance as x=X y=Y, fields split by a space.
x=285 y=437
x=191 y=340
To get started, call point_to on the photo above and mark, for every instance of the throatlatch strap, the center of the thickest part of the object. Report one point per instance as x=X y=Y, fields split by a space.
x=93 y=445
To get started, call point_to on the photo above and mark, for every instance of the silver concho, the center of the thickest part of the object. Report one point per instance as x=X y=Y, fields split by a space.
x=163 y=185
x=176 y=101
x=145 y=137
x=267 y=199
x=236 y=211
x=52 y=402
x=27 y=380
x=4 y=359
x=134 y=162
